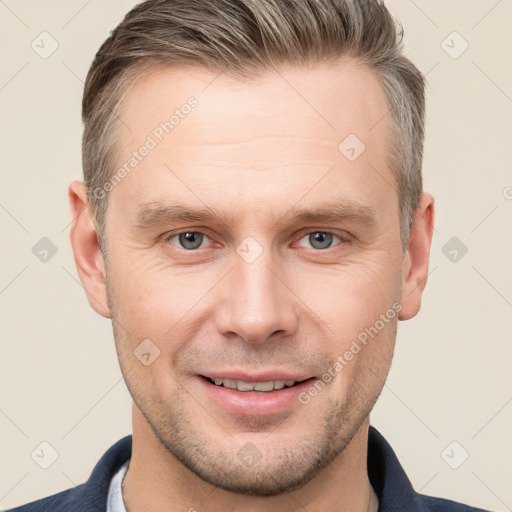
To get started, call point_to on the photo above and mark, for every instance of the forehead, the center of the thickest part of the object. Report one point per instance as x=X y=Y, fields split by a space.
x=324 y=99
x=282 y=130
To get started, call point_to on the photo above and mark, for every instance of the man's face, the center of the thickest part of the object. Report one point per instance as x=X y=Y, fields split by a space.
x=255 y=293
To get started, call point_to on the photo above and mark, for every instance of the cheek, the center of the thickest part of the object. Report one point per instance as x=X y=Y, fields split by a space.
x=364 y=361
x=351 y=296
x=146 y=294
x=360 y=305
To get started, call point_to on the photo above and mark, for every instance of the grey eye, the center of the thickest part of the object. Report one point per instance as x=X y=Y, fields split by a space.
x=320 y=239
x=190 y=239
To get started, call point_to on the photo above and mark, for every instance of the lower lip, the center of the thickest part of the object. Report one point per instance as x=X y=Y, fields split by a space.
x=254 y=403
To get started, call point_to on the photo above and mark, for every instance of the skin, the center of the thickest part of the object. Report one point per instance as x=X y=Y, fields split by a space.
x=252 y=151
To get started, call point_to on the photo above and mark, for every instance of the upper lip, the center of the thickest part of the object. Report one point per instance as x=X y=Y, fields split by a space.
x=266 y=376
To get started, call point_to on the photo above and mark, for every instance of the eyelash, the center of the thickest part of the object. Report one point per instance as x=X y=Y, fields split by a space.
x=343 y=240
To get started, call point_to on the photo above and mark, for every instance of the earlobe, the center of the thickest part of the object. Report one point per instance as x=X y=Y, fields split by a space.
x=86 y=249
x=416 y=258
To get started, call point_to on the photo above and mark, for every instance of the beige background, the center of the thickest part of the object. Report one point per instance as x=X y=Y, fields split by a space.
x=451 y=378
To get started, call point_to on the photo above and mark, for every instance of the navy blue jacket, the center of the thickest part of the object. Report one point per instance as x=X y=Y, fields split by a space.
x=387 y=477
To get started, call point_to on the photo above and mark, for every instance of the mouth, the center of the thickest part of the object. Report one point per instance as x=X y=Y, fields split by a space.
x=261 y=386
x=254 y=396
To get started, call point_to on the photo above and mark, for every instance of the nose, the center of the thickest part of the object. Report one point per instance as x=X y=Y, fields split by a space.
x=257 y=304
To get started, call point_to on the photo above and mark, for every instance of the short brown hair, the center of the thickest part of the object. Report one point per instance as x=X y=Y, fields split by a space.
x=243 y=38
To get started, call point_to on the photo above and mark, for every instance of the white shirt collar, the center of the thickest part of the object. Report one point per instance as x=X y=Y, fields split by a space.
x=115 y=496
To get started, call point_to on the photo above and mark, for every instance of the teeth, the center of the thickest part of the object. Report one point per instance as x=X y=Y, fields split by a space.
x=243 y=386
x=240 y=385
x=263 y=386
x=228 y=383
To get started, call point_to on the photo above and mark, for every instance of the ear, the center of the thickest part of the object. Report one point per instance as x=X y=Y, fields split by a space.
x=416 y=258
x=86 y=249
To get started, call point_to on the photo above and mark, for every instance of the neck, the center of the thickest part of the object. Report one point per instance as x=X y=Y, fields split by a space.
x=158 y=481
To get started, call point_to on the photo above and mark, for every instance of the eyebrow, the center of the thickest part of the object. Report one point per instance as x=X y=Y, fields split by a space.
x=157 y=214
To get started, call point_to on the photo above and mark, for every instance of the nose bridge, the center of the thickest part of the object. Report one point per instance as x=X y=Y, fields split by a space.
x=256 y=303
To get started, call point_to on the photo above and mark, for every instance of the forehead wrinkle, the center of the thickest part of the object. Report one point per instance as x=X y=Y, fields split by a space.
x=280 y=139
x=260 y=152
x=253 y=166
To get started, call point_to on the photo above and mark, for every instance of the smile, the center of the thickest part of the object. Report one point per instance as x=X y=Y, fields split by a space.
x=240 y=385
x=261 y=397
